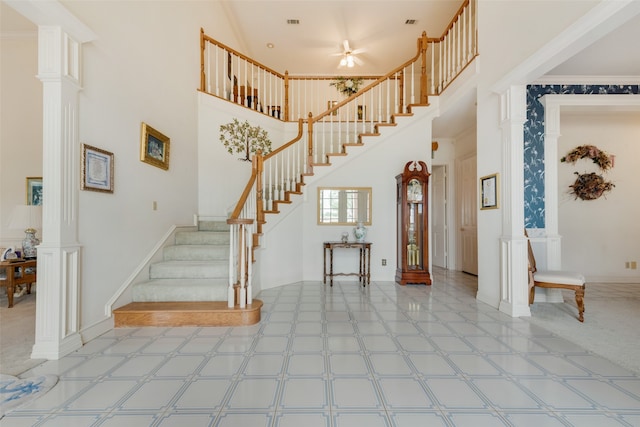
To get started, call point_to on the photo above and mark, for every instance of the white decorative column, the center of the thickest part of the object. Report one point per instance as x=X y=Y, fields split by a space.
x=553 y=248
x=514 y=290
x=57 y=299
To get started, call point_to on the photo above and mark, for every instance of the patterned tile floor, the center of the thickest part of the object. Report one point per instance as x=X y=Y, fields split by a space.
x=344 y=356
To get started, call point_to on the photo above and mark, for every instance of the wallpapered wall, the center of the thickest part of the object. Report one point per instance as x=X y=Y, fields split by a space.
x=534 y=141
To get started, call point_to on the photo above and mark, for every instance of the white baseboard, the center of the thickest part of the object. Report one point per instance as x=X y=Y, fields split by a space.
x=613 y=279
x=94 y=331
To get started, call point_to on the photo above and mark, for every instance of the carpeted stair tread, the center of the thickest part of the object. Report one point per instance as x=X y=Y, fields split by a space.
x=194 y=268
x=202 y=238
x=212 y=289
x=196 y=252
x=213 y=226
x=189 y=269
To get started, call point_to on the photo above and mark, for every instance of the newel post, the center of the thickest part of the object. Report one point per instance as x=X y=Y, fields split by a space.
x=310 y=143
x=424 y=97
x=286 y=96
x=258 y=166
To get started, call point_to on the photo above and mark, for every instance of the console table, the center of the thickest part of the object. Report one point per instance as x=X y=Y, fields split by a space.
x=17 y=274
x=364 y=248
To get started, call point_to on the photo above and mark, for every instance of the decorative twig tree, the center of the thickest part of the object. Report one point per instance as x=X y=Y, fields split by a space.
x=243 y=138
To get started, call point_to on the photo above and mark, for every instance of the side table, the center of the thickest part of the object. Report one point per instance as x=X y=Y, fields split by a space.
x=364 y=275
x=17 y=274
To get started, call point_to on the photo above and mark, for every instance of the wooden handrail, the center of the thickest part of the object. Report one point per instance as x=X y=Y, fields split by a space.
x=247 y=190
x=421 y=41
x=244 y=57
x=288 y=144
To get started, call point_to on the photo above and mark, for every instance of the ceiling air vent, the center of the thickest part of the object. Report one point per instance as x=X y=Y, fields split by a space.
x=410 y=22
x=293 y=21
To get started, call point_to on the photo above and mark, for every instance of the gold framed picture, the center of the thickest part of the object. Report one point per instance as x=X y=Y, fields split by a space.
x=97 y=169
x=154 y=147
x=489 y=191
x=34 y=190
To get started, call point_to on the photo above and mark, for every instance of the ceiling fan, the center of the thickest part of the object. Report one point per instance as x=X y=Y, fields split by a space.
x=348 y=56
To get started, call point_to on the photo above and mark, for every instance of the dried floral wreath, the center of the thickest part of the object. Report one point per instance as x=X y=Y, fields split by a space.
x=590 y=186
x=599 y=157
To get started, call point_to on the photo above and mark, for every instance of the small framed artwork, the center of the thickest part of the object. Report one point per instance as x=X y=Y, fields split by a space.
x=489 y=191
x=362 y=112
x=34 y=190
x=97 y=169
x=154 y=147
x=330 y=105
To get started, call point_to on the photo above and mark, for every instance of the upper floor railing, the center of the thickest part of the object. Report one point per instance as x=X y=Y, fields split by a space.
x=228 y=74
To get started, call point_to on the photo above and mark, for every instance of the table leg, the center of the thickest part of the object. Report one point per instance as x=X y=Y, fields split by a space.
x=331 y=266
x=361 y=272
x=368 y=256
x=324 y=265
x=11 y=287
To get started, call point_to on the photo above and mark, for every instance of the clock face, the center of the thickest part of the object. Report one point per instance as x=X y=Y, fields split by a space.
x=414 y=191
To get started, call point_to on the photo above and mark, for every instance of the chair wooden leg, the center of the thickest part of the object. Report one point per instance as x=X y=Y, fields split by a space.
x=532 y=294
x=580 y=304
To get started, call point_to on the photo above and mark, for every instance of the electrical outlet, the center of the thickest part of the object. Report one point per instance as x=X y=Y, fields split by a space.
x=626 y=264
x=384 y=261
x=633 y=265
x=155 y=205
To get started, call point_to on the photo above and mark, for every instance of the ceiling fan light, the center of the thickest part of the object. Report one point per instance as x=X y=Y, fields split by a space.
x=343 y=61
x=350 y=61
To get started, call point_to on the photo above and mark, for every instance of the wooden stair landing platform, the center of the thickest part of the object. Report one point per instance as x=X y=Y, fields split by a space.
x=191 y=313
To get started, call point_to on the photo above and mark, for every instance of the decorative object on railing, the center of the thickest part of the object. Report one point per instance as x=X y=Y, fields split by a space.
x=243 y=138
x=347 y=85
x=590 y=186
x=599 y=157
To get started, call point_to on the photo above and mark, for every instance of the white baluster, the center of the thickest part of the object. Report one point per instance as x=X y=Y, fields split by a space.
x=249 y=291
x=230 y=293
x=242 y=245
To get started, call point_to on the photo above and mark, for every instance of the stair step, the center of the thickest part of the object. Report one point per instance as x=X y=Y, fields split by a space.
x=196 y=252
x=175 y=314
x=179 y=289
x=202 y=237
x=189 y=270
x=213 y=226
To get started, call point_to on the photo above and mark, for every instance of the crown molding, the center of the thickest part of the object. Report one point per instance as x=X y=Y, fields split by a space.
x=600 y=20
x=587 y=80
x=53 y=13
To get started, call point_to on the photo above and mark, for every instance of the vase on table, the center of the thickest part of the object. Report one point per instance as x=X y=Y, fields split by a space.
x=360 y=232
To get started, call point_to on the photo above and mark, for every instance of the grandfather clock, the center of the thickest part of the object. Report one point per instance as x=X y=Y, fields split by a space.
x=412 y=224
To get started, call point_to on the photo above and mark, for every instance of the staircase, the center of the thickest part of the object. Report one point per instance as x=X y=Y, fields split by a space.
x=189 y=286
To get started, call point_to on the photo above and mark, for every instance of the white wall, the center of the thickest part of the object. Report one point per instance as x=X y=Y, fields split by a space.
x=20 y=127
x=295 y=253
x=222 y=176
x=143 y=67
x=505 y=40
x=599 y=236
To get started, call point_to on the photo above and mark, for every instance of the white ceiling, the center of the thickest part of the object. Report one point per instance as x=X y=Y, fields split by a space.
x=377 y=27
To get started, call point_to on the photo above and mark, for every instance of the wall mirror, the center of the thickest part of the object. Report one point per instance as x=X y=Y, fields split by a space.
x=344 y=205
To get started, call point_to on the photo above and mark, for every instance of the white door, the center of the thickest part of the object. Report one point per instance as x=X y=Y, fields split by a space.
x=468 y=216
x=439 y=249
